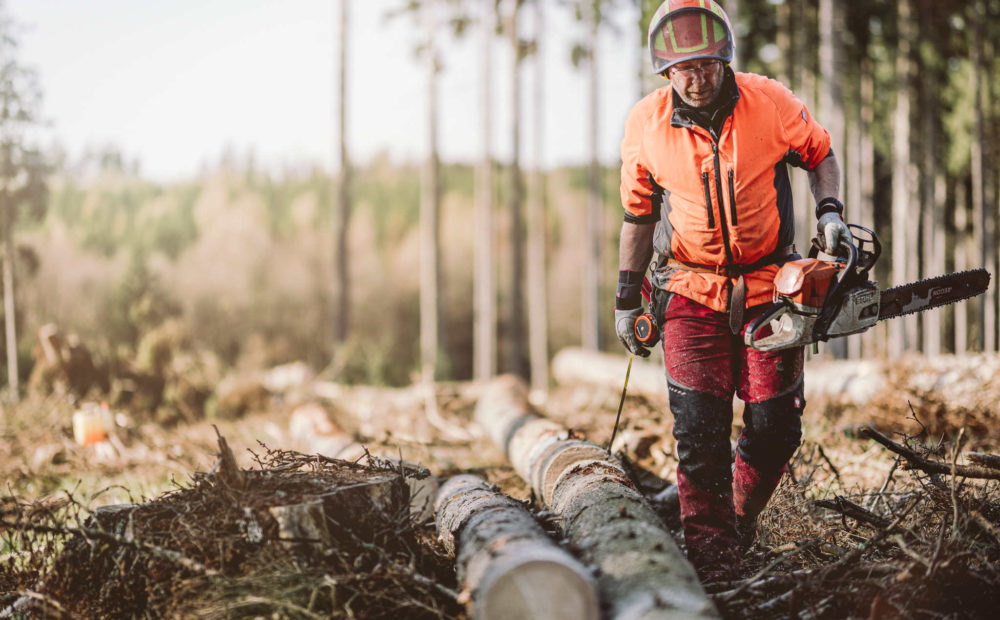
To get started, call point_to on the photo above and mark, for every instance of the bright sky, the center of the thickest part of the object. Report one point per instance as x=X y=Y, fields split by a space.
x=174 y=82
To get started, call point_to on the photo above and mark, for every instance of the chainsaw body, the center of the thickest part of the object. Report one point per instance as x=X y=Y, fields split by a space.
x=821 y=297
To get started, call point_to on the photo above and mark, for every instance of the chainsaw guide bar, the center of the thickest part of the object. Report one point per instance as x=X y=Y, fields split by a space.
x=932 y=293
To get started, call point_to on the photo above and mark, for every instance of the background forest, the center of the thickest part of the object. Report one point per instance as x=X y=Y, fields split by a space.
x=383 y=272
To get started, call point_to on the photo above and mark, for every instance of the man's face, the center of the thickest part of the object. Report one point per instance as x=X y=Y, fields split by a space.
x=698 y=82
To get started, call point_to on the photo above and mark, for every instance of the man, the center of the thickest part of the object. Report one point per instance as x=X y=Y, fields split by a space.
x=705 y=186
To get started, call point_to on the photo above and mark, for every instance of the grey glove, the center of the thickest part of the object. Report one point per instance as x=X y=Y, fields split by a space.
x=832 y=232
x=625 y=328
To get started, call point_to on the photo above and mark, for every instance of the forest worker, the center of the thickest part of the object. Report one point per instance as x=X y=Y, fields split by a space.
x=704 y=183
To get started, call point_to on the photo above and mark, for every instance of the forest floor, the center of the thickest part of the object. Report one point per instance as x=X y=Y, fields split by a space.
x=852 y=531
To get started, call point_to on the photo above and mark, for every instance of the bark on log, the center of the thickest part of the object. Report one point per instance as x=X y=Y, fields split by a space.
x=511 y=568
x=311 y=427
x=641 y=572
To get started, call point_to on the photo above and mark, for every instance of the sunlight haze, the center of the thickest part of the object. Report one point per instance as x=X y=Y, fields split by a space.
x=175 y=83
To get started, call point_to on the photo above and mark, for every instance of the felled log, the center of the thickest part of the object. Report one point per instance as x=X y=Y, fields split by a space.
x=311 y=426
x=640 y=571
x=511 y=568
x=574 y=365
x=967 y=381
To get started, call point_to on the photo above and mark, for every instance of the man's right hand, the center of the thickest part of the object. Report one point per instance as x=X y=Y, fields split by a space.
x=625 y=328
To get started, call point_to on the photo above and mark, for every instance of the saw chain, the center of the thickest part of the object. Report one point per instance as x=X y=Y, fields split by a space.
x=932 y=292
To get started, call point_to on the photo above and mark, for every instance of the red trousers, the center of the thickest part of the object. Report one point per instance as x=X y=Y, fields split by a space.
x=706 y=364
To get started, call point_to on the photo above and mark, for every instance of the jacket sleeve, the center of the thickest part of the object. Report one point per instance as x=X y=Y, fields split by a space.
x=636 y=185
x=808 y=141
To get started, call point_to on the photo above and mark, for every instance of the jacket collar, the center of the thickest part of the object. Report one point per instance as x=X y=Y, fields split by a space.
x=712 y=116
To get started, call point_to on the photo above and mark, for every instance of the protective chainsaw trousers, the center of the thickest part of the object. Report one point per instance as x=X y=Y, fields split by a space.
x=706 y=365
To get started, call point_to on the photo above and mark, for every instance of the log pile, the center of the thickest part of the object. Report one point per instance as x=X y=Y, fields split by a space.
x=640 y=571
x=511 y=569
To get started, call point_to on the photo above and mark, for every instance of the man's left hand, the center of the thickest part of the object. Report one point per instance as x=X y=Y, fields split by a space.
x=832 y=232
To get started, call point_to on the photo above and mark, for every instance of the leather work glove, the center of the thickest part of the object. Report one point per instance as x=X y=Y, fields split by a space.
x=625 y=328
x=832 y=232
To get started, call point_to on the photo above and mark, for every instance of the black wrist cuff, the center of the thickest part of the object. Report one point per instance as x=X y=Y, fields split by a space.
x=629 y=295
x=829 y=205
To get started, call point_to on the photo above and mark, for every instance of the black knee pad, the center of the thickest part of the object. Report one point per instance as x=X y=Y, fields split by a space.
x=702 y=426
x=772 y=431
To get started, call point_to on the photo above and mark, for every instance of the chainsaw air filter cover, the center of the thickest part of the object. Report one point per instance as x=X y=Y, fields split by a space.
x=805 y=282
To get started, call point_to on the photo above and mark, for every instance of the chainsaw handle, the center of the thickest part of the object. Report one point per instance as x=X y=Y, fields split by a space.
x=852 y=259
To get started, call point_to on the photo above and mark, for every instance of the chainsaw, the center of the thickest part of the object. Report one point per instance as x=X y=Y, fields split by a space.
x=827 y=296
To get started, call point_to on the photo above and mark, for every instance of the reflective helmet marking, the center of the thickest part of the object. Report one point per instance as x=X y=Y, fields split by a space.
x=679 y=31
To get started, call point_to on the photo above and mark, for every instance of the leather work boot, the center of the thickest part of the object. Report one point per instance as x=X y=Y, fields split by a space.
x=751 y=492
x=709 y=524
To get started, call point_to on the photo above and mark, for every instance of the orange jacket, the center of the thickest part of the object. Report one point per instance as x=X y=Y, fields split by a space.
x=718 y=203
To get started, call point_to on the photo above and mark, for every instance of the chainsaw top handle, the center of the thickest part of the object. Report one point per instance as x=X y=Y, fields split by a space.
x=865 y=247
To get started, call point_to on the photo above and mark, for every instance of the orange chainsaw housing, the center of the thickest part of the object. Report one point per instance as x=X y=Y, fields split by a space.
x=805 y=282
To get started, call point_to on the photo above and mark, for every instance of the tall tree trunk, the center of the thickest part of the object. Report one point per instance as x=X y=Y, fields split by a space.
x=343 y=209
x=962 y=252
x=932 y=198
x=732 y=8
x=9 y=307
x=806 y=91
x=982 y=223
x=902 y=331
x=484 y=289
x=870 y=343
x=783 y=39
x=853 y=196
x=991 y=190
x=538 y=317
x=648 y=81
x=516 y=319
x=430 y=207
x=831 y=102
x=592 y=244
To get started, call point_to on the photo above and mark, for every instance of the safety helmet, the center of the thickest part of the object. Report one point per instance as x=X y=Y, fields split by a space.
x=684 y=30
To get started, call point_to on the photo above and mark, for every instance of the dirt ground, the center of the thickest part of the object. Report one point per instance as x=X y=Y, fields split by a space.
x=919 y=544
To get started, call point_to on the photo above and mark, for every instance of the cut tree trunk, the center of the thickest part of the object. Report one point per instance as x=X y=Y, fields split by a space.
x=640 y=571
x=950 y=377
x=511 y=568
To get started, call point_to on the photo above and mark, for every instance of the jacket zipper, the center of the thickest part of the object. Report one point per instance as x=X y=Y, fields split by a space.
x=732 y=198
x=708 y=200
x=722 y=211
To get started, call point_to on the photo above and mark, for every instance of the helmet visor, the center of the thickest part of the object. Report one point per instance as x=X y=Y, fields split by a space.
x=688 y=35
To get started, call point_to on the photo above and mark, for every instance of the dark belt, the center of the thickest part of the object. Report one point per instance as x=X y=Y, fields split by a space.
x=737 y=291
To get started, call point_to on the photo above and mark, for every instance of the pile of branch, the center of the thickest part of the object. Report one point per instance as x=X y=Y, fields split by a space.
x=298 y=537
x=925 y=543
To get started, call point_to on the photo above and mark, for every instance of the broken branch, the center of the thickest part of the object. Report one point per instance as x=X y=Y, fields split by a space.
x=932 y=467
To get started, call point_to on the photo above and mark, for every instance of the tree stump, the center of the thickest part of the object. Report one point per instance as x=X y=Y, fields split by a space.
x=313 y=428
